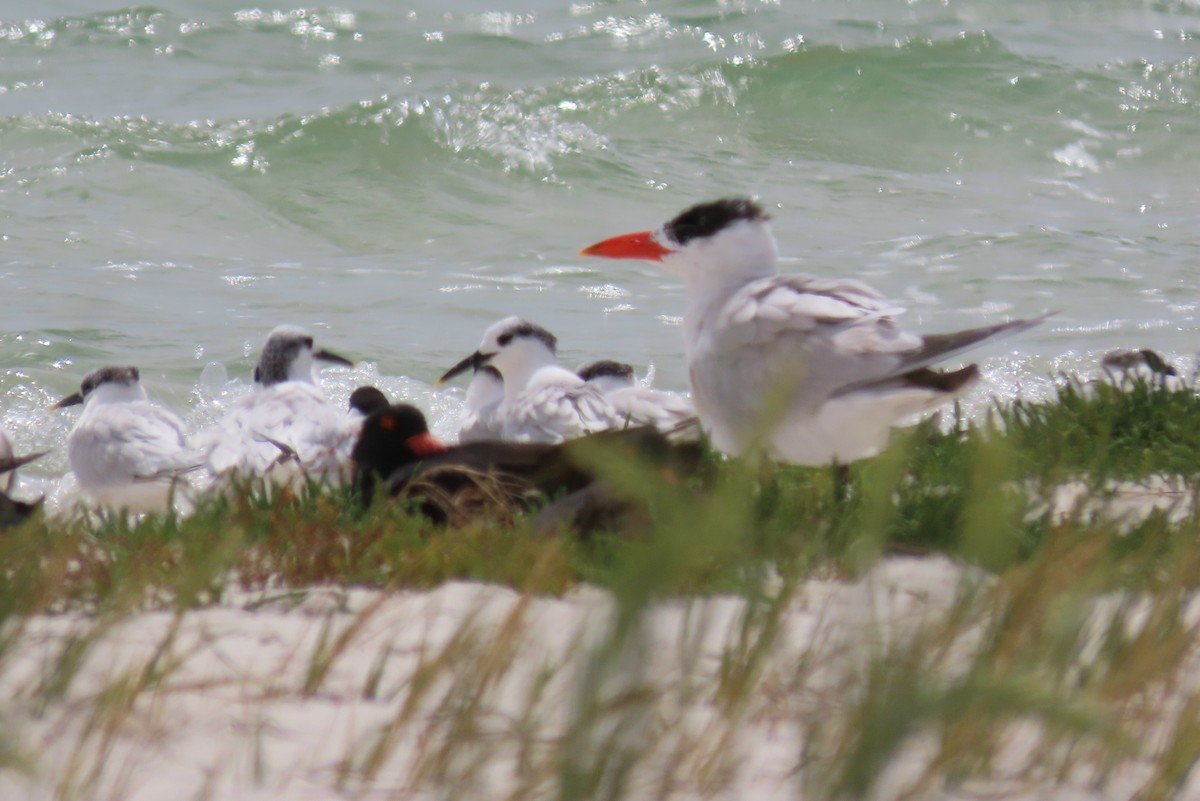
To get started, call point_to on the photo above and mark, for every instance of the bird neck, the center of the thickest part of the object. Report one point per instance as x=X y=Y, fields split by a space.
x=723 y=267
x=707 y=295
x=115 y=393
x=275 y=368
x=522 y=360
x=484 y=390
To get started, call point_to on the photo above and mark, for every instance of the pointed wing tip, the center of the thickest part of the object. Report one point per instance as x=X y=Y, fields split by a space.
x=12 y=463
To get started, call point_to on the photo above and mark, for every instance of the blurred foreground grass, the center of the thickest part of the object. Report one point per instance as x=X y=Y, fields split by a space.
x=989 y=494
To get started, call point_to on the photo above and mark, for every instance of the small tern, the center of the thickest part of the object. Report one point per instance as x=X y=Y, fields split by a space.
x=126 y=453
x=543 y=401
x=1131 y=361
x=810 y=370
x=638 y=405
x=286 y=428
x=608 y=375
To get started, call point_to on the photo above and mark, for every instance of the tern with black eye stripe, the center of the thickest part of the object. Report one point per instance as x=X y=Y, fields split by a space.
x=543 y=401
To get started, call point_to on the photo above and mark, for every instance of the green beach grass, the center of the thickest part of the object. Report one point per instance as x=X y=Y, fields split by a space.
x=1071 y=617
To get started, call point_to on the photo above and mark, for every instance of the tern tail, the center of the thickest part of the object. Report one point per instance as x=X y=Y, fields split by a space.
x=942 y=380
x=913 y=370
x=8 y=464
x=936 y=347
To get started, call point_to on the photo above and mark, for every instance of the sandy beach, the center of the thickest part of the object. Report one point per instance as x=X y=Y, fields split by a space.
x=475 y=691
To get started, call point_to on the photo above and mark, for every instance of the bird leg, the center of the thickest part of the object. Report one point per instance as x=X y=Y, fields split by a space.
x=286 y=454
x=841 y=482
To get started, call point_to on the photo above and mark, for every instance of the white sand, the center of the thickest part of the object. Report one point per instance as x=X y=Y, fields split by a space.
x=229 y=717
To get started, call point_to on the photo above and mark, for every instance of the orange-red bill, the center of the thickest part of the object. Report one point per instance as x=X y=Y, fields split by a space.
x=640 y=245
x=425 y=444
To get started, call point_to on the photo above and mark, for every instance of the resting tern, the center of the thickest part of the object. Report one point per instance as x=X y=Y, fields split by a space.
x=1131 y=362
x=543 y=402
x=635 y=404
x=126 y=453
x=286 y=427
x=810 y=370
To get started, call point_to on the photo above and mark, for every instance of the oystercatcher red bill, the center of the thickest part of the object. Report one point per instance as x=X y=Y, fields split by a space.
x=425 y=444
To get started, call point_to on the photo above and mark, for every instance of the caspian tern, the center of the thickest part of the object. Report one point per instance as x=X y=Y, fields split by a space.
x=126 y=453
x=481 y=419
x=397 y=453
x=543 y=401
x=635 y=404
x=810 y=370
x=286 y=429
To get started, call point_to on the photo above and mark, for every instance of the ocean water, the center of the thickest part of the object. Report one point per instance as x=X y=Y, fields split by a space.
x=178 y=178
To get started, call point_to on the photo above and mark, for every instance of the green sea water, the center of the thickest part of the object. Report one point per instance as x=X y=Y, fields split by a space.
x=178 y=178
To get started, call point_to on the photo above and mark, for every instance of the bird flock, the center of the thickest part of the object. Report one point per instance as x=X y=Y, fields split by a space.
x=798 y=368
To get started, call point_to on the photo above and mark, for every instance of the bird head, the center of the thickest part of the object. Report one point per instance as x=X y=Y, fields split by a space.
x=731 y=236
x=509 y=345
x=121 y=383
x=288 y=355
